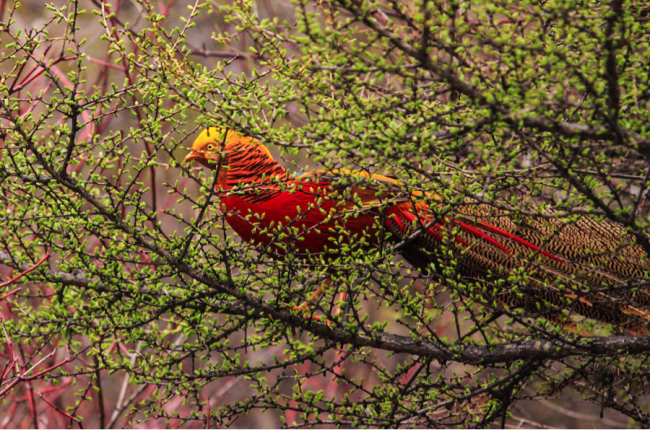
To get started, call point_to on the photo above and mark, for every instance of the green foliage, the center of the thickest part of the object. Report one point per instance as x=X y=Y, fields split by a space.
x=523 y=106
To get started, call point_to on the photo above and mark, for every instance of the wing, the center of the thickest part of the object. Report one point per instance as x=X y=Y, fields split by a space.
x=361 y=191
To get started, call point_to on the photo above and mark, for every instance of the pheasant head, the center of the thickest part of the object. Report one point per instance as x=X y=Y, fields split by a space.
x=240 y=159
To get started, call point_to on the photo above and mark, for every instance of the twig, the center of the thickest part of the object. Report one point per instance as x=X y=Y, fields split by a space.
x=222 y=54
x=24 y=377
x=126 y=404
x=11 y=293
x=119 y=406
x=207 y=420
x=11 y=281
x=61 y=411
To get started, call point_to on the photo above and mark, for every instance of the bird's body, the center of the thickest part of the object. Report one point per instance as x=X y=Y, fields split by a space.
x=307 y=230
x=577 y=266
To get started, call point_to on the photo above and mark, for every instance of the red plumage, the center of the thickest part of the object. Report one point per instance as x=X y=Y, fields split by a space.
x=315 y=213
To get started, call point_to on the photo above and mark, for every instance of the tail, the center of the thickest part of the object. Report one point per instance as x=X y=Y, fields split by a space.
x=582 y=266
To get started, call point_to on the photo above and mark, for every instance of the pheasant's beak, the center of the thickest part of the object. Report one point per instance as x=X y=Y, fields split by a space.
x=193 y=155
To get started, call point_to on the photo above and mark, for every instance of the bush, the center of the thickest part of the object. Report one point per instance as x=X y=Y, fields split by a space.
x=139 y=303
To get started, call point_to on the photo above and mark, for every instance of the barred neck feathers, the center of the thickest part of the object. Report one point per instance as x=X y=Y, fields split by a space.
x=247 y=160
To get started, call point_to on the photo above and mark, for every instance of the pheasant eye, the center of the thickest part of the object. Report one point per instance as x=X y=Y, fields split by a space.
x=210 y=147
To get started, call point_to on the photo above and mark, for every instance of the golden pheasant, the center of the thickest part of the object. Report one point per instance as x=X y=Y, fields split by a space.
x=552 y=268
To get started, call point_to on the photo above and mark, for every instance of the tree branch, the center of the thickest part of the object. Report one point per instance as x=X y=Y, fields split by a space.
x=470 y=354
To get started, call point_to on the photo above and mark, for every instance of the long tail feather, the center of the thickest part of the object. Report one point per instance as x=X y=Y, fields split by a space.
x=573 y=259
x=510 y=236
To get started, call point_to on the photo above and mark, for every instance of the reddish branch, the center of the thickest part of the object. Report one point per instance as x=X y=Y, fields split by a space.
x=11 y=281
x=105 y=64
x=14 y=363
x=25 y=375
x=11 y=293
x=34 y=73
x=207 y=420
x=62 y=412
